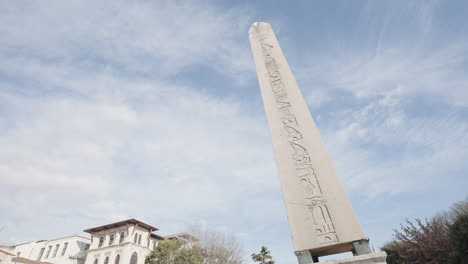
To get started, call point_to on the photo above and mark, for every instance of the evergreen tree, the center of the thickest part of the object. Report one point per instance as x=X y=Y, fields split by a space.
x=393 y=257
x=459 y=238
x=174 y=252
x=263 y=257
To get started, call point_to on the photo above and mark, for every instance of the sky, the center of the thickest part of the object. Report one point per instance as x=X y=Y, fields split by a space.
x=147 y=109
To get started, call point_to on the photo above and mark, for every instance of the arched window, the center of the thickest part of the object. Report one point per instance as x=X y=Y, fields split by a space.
x=135 y=238
x=111 y=239
x=106 y=261
x=122 y=236
x=139 y=239
x=117 y=259
x=101 y=241
x=96 y=261
x=134 y=258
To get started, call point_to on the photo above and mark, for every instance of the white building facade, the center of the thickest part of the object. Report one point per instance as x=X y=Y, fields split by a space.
x=61 y=250
x=124 y=242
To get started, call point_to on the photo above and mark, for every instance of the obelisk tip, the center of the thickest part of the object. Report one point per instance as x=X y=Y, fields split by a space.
x=259 y=27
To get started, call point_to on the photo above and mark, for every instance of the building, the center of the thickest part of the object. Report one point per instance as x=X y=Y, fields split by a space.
x=55 y=251
x=6 y=256
x=187 y=238
x=124 y=242
x=127 y=241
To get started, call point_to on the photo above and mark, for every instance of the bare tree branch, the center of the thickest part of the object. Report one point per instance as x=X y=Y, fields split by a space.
x=219 y=247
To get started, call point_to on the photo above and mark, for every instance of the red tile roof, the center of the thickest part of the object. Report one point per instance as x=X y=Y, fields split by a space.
x=28 y=261
x=121 y=223
x=6 y=252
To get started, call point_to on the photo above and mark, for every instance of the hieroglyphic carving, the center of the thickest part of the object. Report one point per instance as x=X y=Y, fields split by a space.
x=314 y=201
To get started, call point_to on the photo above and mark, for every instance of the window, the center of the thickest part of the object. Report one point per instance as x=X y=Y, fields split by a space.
x=40 y=254
x=154 y=245
x=96 y=261
x=64 y=248
x=139 y=239
x=122 y=236
x=18 y=254
x=134 y=258
x=48 y=251
x=111 y=239
x=135 y=238
x=101 y=241
x=117 y=259
x=86 y=247
x=106 y=261
x=55 y=250
x=147 y=244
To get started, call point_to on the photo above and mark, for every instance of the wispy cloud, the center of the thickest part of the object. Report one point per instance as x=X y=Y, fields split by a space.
x=97 y=125
x=93 y=129
x=403 y=117
x=151 y=37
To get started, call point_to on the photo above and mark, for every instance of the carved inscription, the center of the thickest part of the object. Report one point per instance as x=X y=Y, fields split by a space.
x=316 y=205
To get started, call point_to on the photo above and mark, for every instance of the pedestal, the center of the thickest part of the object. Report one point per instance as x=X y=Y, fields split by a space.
x=372 y=258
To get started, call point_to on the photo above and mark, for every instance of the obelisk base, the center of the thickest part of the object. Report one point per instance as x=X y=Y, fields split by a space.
x=372 y=258
x=358 y=248
x=304 y=257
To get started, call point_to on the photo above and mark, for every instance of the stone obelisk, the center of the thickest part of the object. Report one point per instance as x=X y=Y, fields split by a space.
x=321 y=218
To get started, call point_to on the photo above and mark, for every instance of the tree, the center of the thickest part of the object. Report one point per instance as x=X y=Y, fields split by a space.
x=174 y=252
x=459 y=237
x=424 y=242
x=392 y=249
x=442 y=239
x=218 y=247
x=263 y=257
x=457 y=210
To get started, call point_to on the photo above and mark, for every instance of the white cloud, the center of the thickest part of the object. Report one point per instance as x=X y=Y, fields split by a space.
x=382 y=146
x=96 y=127
x=401 y=122
x=131 y=146
x=154 y=37
x=95 y=132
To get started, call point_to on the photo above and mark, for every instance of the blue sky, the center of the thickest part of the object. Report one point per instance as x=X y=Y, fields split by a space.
x=151 y=109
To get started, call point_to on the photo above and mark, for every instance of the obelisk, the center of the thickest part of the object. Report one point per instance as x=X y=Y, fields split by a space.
x=321 y=219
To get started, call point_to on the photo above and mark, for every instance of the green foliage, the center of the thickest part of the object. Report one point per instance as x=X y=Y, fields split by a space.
x=459 y=237
x=189 y=256
x=263 y=257
x=393 y=257
x=174 y=252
